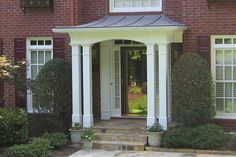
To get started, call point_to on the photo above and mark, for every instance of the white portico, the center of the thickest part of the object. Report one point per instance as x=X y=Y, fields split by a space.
x=155 y=32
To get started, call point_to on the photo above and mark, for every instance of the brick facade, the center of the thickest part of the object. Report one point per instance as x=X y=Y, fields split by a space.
x=201 y=18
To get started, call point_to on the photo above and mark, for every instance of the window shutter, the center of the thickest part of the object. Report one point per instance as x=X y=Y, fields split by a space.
x=58 y=47
x=204 y=47
x=176 y=51
x=1 y=82
x=20 y=54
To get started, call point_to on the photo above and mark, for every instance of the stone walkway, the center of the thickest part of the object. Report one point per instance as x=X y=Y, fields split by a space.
x=103 y=153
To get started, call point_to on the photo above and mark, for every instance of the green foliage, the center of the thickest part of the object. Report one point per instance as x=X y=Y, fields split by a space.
x=138 y=104
x=135 y=90
x=77 y=126
x=52 y=90
x=37 y=148
x=192 y=87
x=207 y=136
x=155 y=128
x=57 y=140
x=88 y=135
x=13 y=126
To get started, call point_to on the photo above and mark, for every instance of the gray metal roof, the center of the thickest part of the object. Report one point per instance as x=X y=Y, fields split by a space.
x=130 y=21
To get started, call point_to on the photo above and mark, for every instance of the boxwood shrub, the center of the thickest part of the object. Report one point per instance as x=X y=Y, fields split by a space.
x=192 y=91
x=57 y=140
x=208 y=136
x=37 y=148
x=13 y=126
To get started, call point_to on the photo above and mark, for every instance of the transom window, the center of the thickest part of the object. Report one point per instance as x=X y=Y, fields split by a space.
x=135 y=5
x=224 y=69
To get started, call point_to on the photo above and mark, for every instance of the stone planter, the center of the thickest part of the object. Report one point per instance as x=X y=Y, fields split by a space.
x=154 y=139
x=75 y=136
x=87 y=145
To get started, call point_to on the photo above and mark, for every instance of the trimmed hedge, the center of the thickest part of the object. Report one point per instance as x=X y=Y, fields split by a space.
x=13 y=126
x=57 y=140
x=37 y=148
x=207 y=136
x=52 y=91
x=192 y=91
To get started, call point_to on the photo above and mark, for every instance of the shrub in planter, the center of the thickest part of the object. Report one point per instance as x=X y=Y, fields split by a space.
x=207 y=136
x=87 y=138
x=155 y=135
x=52 y=90
x=37 y=148
x=76 y=133
x=57 y=139
x=192 y=90
x=13 y=126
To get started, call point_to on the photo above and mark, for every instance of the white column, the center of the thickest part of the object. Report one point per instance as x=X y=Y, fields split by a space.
x=151 y=85
x=76 y=84
x=87 y=86
x=163 y=85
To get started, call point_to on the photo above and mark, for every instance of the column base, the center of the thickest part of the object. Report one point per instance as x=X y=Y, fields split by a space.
x=163 y=121
x=151 y=121
x=87 y=121
x=76 y=118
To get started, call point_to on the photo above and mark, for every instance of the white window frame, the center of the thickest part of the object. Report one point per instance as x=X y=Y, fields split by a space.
x=133 y=9
x=215 y=47
x=29 y=48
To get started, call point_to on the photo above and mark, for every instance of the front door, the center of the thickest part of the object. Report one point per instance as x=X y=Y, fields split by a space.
x=133 y=81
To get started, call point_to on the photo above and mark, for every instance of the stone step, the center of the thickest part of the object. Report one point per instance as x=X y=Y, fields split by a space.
x=119 y=145
x=121 y=137
x=119 y=130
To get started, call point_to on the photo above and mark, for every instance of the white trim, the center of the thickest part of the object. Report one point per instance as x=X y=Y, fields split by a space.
x=112 y=8
x=29 y=48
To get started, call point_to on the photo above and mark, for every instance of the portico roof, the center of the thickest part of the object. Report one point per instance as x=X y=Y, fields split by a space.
x=126 y=21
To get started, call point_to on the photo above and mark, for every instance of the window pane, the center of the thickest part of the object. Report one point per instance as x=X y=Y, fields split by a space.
x=146 y=3
x=218 y=41
x=40 y=42
x=47 y=56
x=219 y=89
x=228 y=105
x=33 y=57
x=34 y=71
x=234 y=89
x=227 y=40
x=137 y=3
x=118 y=3
x=155 y=3
x=127 y=3
x=235 y=73
x=40 y=57
x=228 y=90
x=219 y=73
x=48 y=42
x=219 y=57
x=220 y=105
x=234 y=57
x=228 y=73
x=234 y=106
x=33 y=42
x=40 y=67
x=228 y=57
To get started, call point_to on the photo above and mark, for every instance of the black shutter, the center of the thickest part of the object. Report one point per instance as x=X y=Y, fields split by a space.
x=176 y=51
x=204 y=47
x=20 y=54
x=58 y=47
x=1 y=82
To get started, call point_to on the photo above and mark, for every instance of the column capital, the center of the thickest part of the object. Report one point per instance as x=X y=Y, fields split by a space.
x=74 y=45
x=163 y=44
x=87 y=44
x=151 y=44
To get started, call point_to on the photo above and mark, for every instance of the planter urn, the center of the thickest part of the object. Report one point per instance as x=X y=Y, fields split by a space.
x=75 y=136
x=87 y=145
x=154 y=138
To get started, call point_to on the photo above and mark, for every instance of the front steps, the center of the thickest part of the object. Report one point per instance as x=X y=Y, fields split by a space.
x=120 y=138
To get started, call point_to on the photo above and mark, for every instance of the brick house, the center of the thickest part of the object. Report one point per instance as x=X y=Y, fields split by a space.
x=102 y=38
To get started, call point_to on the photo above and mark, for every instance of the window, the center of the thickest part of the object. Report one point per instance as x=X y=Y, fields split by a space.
x=135 y=5
x=224 y=70
x=39 y=51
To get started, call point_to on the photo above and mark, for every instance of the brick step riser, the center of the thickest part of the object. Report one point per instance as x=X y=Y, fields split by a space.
x=115 y=137
x=121 y=131
x=113 y=147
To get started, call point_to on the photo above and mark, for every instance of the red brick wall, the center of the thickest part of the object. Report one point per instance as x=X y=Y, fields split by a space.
x=203 y=18
x=33 y=23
